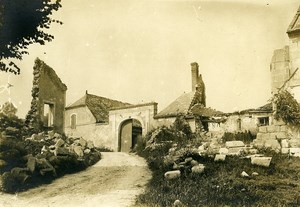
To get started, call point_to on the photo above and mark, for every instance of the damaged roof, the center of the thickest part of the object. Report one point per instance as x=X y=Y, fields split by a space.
x=200 y=110
x=99 y=106
x=294 y=26
x=181 y=106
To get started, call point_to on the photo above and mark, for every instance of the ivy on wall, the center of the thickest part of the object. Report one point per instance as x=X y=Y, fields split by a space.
x=287 y=108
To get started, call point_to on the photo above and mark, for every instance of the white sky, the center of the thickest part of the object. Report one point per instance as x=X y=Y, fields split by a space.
x=140 y=50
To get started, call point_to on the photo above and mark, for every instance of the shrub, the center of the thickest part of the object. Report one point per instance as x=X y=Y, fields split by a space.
x=246 y=137
x=287 y=108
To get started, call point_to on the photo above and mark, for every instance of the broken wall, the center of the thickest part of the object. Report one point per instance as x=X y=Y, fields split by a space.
x=48 y=99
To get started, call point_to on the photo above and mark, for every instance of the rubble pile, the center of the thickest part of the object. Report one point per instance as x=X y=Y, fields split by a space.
x=43 y=156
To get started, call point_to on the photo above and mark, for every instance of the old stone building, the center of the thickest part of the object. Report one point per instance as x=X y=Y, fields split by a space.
x=286 y=61
x=48 y=99
x=183 y=104
x=119 y=126
x=284 y=67
x=248 y=120
x=109 y=123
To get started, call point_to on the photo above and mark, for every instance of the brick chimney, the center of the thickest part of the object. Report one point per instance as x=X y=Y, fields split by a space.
x=195 y=75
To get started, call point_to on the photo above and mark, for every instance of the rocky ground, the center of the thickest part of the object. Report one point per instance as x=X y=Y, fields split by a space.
x=114 y=181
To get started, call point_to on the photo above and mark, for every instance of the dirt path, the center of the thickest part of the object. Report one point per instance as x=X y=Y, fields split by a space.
x=114 y=181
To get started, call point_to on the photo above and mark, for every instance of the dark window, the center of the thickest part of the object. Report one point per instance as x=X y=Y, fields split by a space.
x=239 y=124
x=73 y=121
x=263 y=121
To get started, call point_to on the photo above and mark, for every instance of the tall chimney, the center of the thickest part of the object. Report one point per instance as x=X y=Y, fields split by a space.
x=195 y=74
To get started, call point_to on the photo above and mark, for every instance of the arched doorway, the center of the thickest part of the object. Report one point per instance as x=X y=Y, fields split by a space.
x=130 y=133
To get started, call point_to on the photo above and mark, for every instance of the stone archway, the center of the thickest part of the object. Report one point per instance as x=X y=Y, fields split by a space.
x=130 y=132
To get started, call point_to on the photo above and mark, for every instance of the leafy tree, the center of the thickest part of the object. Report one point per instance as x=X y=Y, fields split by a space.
x=22 y=22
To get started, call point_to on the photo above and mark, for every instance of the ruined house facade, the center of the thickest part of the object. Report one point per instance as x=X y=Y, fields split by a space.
x=286 y=61
x=48 y=99
x=284 y=76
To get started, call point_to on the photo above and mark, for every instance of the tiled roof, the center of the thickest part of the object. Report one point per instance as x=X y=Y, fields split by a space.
x=295 y=24
x=99 y=106
x=180 y=106
x=200 y=110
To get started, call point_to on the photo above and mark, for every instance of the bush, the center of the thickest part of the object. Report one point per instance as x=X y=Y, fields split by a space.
x=246 y=137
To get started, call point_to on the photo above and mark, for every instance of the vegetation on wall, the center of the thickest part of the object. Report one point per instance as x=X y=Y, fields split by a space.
x=287 y=108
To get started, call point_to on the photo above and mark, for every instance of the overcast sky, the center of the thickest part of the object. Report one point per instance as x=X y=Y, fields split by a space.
x=139 y=51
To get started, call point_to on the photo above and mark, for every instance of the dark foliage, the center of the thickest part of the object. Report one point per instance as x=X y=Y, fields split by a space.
x=22 y=22
x=246 y=137
x=287 y=108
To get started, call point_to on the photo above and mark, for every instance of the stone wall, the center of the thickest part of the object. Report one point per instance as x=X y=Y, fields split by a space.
x=248 y=122
x=87 y=128
x=278 y=137
x=47 y=89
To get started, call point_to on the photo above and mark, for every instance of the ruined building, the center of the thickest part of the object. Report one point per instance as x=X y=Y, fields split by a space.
x=119 y=126
x=48 y=99
x=183 y=104
x=286 y=61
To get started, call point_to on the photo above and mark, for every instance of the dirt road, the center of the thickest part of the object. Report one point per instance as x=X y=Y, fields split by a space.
x=113 y=182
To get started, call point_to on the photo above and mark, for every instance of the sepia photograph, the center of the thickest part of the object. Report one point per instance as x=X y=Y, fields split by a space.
x=149 y=103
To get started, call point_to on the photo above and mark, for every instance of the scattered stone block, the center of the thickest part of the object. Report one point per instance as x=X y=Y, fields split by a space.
x=284 y=143
x=285 y=150
x=61 y=151
x=235 y=151
x=261 y=161
x=254 y=174
x=244 y=174
x=59 y=143
x=78 y=151
x=198 y=169
x=188 y=159
x=220 y=157
x=201 y=149
x=194 y=163
x=232 y=144
x=34 y=137
x=178 y=203
x=172 y=174
x=223 y=151
x=86 y=151
x=82 y=142
x=295 y=152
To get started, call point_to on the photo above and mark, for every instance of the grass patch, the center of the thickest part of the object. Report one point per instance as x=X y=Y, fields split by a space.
x=221 y=185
